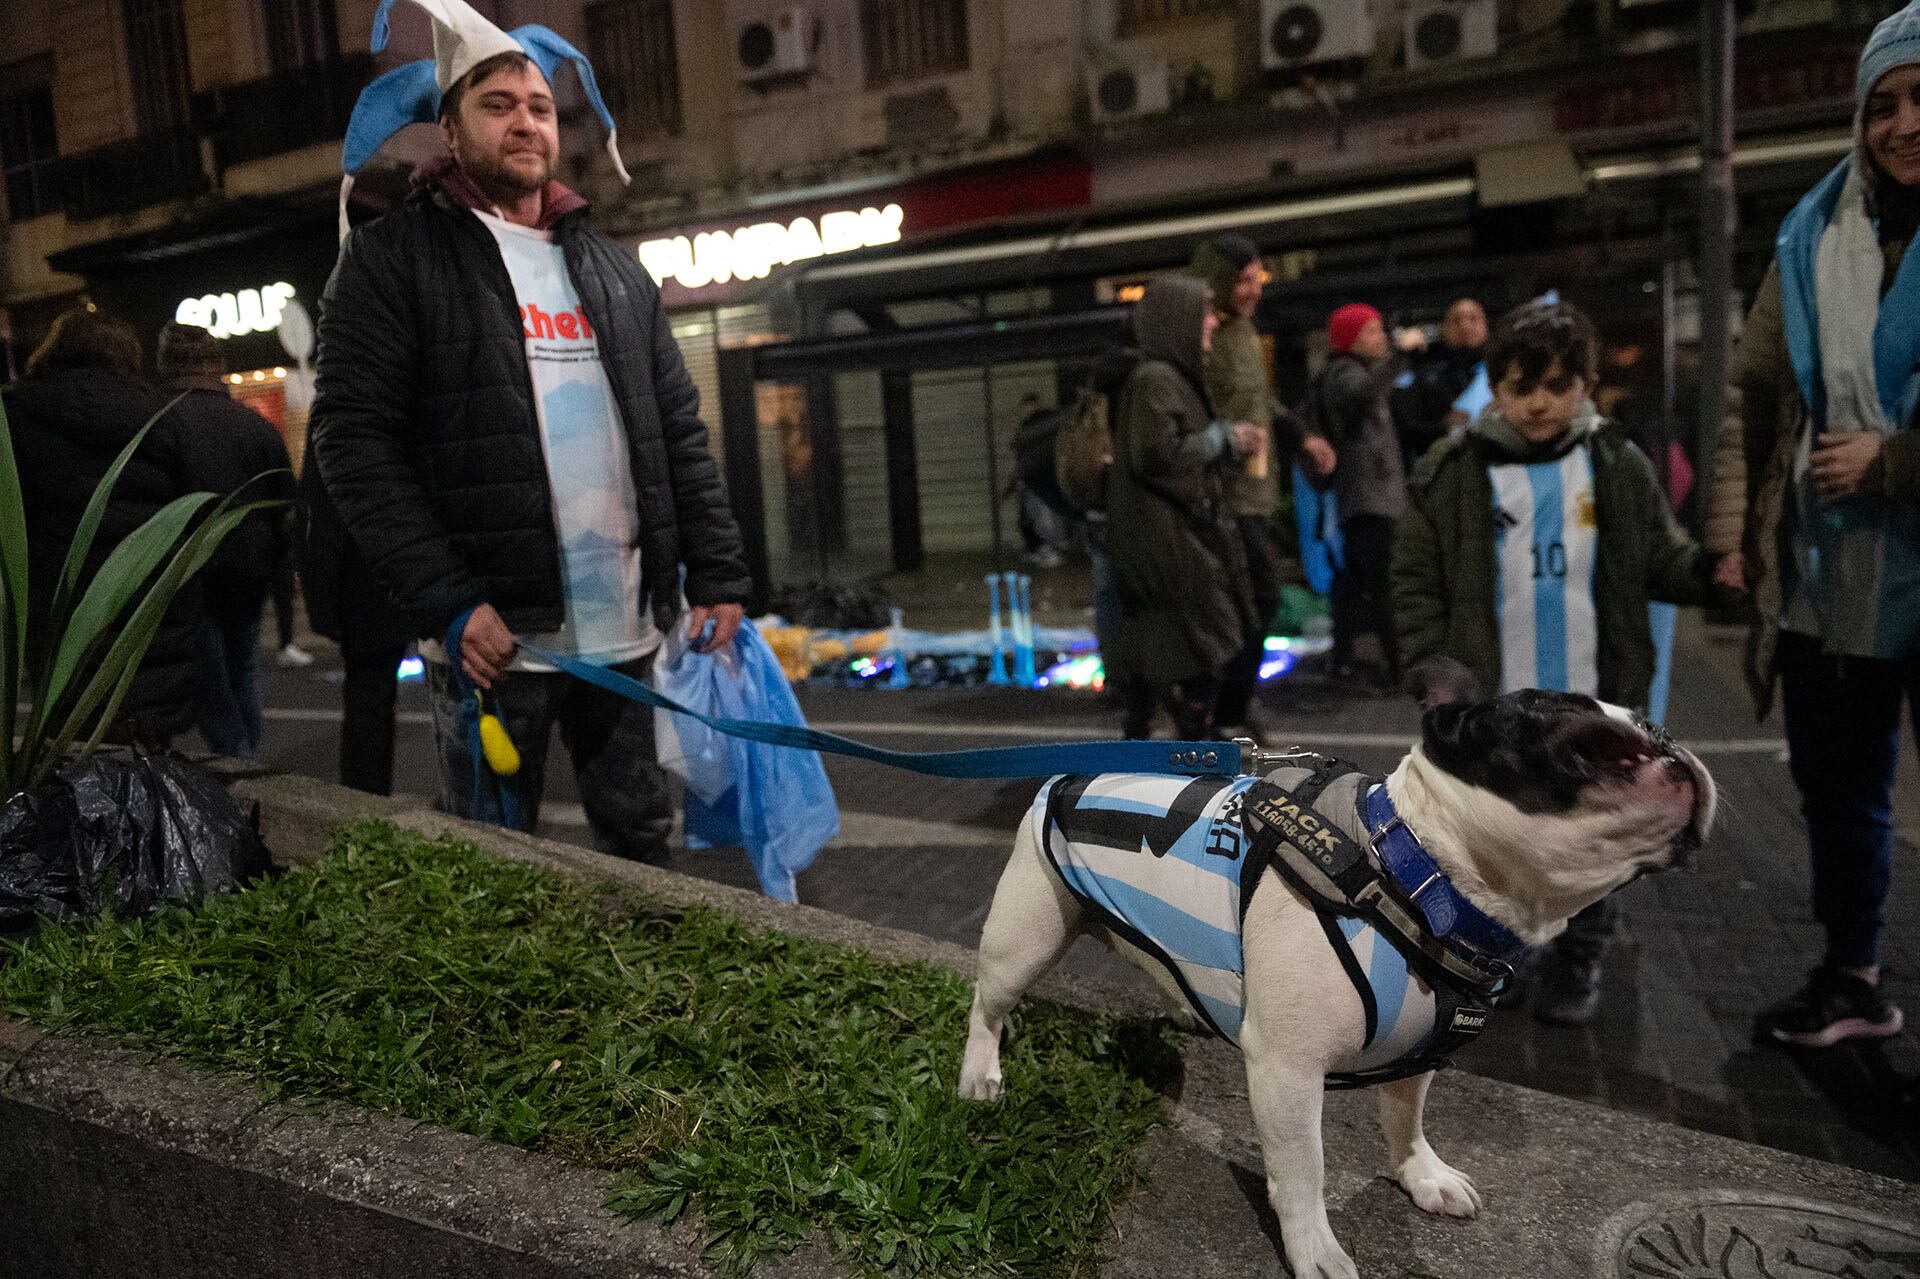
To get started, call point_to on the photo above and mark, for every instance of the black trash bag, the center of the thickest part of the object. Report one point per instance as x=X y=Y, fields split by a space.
x=125 y=833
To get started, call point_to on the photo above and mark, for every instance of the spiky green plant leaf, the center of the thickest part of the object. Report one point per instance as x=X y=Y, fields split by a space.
x=89 y=652
x=127 y=568
x=101 y=695
x=89 y=525
x=146 y=619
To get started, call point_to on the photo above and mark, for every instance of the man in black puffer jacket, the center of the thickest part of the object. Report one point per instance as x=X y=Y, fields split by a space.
x=506 y=425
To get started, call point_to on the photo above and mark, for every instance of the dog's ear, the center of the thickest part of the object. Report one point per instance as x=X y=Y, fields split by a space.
x=1441 y=681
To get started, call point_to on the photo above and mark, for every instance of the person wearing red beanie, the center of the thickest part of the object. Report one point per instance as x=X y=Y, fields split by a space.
x=1347 y=323
x=1348 y=405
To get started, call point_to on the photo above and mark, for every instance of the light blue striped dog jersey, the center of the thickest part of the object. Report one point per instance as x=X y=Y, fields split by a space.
x=1163 y=862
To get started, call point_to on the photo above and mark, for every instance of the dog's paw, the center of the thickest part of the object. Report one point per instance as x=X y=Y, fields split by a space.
x=982 y=1088
x=1319 y=1256
x=1437 y=1187
x=1185 y=1019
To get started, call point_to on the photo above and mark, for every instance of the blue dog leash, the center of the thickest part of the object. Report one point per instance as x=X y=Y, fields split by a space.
x=486 y=783
x=1185 y=759
x=1188 y=759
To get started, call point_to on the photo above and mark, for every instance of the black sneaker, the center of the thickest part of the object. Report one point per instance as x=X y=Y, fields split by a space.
x=1832 y=1006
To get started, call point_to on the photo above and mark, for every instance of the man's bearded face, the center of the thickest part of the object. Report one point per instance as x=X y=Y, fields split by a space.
x=504 y=134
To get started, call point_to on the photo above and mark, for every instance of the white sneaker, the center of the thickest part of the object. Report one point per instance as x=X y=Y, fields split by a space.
x=1046 y=557
x=293 y=655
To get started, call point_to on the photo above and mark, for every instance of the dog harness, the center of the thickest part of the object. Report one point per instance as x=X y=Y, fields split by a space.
x=1169 y=864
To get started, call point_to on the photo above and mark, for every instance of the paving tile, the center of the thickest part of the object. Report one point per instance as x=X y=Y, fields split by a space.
x=1800 y=1137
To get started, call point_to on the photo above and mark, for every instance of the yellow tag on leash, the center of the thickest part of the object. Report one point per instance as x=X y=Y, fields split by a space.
x=502 y=756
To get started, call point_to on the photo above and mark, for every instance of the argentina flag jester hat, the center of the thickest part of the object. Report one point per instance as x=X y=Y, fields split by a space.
x=462 y=40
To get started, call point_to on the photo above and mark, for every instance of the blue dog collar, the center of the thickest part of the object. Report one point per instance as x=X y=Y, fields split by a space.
x=1447 y=912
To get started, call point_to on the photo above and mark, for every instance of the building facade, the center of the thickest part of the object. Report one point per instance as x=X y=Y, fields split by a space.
x=851 y=204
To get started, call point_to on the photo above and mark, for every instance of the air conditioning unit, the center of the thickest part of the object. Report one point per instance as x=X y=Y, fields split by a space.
x=1124 y=90
x=1451 y=31
x=1305 y=33
x=781 y=44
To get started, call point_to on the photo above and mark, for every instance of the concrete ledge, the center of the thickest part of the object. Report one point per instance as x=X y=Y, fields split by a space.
x=120 y=1163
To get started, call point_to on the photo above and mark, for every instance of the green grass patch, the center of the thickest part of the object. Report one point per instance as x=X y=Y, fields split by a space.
x=788 y=1088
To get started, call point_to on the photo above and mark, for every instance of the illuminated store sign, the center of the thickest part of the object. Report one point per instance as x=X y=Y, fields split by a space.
x=751 y=252
x=228 y=315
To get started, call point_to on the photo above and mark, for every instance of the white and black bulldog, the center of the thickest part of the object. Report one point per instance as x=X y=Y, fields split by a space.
x=1508 y=817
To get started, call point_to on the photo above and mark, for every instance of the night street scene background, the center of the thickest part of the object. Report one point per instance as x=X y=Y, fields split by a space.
x=1555 y=343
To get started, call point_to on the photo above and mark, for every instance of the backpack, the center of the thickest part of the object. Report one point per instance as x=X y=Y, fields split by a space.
x=1083 y=451
x=1034 y=443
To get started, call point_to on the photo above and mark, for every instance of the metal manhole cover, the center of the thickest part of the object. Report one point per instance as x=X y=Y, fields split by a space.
x=1754 y=1236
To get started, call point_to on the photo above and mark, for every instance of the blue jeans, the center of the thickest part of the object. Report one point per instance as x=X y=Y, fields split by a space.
x=609 y=739
x=1843 y=738
x=229 y=673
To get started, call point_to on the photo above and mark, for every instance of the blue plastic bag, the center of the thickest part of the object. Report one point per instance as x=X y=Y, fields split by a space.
x=685 y=747
x=1318 y=518
x=777 y=802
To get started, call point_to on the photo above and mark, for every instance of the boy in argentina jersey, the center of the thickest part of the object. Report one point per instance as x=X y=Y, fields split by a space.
x=1533 y=545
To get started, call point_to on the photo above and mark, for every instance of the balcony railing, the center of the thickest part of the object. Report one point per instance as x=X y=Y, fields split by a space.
x=282 y=112
x=124 y=177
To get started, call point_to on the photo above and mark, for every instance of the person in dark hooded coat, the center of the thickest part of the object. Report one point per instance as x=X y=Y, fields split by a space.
x=81 y=402
x=230 y=449
x=1187 y=603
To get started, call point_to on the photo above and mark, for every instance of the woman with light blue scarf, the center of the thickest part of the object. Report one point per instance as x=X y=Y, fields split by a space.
x=1825 y=528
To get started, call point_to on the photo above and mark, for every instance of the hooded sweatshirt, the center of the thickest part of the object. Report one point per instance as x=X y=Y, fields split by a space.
x=1237 y=380
x=1188 y=607
x=1532 y=564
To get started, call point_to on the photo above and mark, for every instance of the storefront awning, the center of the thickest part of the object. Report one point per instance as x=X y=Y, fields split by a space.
x=231 y=223
x=1118 y=240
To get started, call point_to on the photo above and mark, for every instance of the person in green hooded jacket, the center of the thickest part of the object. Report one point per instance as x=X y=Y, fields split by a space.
x=1241 y=390
x=1186 y=602
x=1532 y=545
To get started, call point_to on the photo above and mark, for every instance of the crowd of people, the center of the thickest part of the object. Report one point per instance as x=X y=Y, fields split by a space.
x=475 y=481
x=1532 y=540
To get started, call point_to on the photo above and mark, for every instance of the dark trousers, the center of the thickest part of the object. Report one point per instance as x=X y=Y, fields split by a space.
x=1843 y=742
x=1189 y=703
x=1361 y=598
x=367 y=698
x=283 y=602
x=1590 y=932
x=229 y=677
x=1106 y=587
x=609 y=739
x=1240 y=681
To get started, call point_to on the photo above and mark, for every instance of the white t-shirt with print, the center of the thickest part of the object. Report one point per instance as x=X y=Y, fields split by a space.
x=588 y=470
